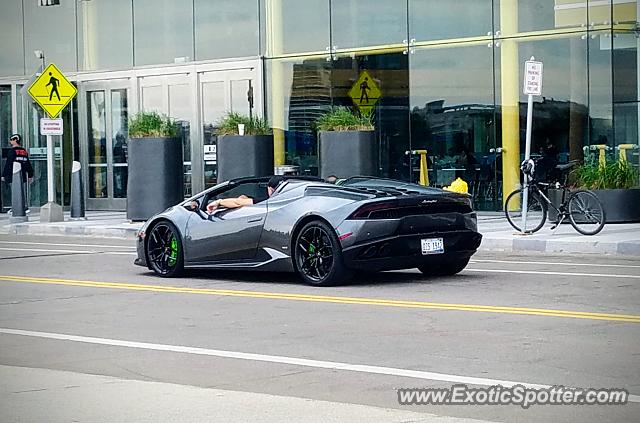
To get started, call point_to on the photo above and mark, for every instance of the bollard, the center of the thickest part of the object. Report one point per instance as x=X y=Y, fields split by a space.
x=424 y=171
x=77 y=192
x=18 y=206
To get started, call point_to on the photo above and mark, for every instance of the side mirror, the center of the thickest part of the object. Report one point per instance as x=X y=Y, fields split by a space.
x=192 y=206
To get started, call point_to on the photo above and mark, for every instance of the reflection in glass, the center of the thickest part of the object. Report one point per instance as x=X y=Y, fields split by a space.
x=538 y=15
x=96 y=127
x=180 y=110
x=119 y=125
x=294 y=26
x=239 y=96
x=212 y=111
x=226 y=28
x=98 y=181
x=453 y=117
x=96 y=138
x=560 y=115
x=431 y=20
x=163 y=31
x=362 y=23
x=120 y=181
x=600 y=94
x=5 y=133
x=105 y=34
x=301 y=92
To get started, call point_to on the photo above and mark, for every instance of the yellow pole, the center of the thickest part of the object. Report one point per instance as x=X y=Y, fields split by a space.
x=510 y=89
x=602 y=159
x=424 y=171
x=274 y=48
x=623 y=150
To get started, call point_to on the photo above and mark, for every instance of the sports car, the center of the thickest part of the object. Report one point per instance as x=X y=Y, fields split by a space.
x=323 y=232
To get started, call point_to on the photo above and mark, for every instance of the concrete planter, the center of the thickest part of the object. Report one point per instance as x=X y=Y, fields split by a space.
x=348 y=153
x=620 y=205
x=244 y=155
x=155 y=179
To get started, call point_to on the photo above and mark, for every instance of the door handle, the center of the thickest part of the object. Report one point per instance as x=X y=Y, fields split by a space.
x=255 y=219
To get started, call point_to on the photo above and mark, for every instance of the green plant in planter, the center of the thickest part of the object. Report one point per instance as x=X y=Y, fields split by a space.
x=342 y=118
x=228 y=125
x=152 y=124
x=611 y=175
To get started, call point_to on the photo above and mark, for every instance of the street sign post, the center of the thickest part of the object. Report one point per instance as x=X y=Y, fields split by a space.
x=53 y=92
x=532 y=86
x=365 y=93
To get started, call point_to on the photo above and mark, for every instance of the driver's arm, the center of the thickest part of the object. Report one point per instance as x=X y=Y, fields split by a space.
x=229 y=203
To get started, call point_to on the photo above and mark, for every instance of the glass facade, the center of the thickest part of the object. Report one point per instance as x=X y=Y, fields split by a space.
x=450 y=78
x=451 y=83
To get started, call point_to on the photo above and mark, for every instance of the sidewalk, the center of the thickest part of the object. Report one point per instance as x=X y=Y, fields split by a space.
x=615 y=239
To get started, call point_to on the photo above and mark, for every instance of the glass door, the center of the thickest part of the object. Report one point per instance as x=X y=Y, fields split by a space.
x=221 y=92
x=104 y=146
x=171 y=95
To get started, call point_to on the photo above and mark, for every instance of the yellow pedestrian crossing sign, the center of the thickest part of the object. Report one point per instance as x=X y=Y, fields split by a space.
x=52 y=91
x=365 y=92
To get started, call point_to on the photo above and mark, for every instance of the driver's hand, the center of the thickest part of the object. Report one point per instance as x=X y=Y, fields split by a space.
x=212 y=206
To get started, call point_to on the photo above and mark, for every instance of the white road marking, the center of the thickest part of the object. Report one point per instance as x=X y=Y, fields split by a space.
x=553 y=263
x=67 y=244
x=43 y=250
x=539 y=272
x=361 y=368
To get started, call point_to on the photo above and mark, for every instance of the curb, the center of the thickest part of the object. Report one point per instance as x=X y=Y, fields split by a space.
x=623 y=248
x=65 y=230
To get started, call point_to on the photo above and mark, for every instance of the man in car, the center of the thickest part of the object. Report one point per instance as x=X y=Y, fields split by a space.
x=243 y=200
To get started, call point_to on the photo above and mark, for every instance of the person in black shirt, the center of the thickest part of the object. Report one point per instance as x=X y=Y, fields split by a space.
x=17 y=154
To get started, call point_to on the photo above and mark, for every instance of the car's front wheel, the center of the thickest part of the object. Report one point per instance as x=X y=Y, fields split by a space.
x=445 y=268
x=318 y=255
x=164 y=250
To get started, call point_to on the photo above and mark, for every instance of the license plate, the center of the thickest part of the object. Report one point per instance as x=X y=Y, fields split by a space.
x=432 y=246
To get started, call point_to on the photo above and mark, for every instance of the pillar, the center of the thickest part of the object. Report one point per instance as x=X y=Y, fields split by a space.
x=510 y=93
x=276 y=104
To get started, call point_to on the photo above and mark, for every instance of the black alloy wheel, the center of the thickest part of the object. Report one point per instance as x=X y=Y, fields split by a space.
x=164 y=250
x=318 y=255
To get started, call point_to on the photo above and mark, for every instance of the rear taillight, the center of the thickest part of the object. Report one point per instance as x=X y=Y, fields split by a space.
x=365 y=211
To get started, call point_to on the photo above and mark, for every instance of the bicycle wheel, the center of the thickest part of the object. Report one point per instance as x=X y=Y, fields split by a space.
x=586 y=213
x=536 y=211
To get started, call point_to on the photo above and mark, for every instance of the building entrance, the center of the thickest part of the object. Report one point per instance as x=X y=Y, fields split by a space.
x=104 y=129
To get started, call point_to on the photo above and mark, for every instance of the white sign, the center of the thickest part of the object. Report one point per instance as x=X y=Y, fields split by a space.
x=532 y=78
x=51 y=126
x=210 y=149
x=210 y=157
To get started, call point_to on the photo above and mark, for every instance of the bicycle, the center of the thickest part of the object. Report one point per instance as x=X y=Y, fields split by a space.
x=582 y=207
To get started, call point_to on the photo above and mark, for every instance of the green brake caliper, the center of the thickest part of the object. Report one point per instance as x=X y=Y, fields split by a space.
x=173 y=256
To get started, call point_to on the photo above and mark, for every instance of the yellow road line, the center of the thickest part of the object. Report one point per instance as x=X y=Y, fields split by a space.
x=630 y=318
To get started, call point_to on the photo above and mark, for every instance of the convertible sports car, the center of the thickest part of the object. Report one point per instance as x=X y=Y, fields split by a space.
x=321 y=231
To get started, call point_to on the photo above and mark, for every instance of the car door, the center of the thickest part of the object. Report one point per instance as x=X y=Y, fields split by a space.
x=227 y=235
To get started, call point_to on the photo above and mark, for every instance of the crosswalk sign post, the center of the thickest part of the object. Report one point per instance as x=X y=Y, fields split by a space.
x=365 y=93
x=53 y=92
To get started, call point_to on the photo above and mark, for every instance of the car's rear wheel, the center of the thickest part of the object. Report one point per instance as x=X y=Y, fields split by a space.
x=318 y=255
x=164 y=250
x=445 y=268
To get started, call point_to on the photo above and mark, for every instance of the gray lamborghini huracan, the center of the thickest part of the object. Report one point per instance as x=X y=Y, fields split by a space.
x=321 y=231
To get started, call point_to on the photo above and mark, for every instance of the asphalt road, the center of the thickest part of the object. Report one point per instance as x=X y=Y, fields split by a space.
x=88 y=336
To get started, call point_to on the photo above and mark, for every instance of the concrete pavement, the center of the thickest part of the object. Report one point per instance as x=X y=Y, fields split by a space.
x=76 y=397
x=615 y=239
